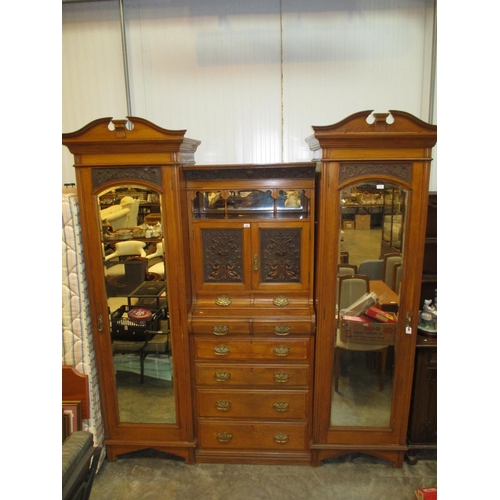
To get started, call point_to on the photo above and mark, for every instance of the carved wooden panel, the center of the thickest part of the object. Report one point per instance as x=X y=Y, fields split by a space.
x=280 y=255
x=149 y=174
x=350 y=171
x=222 y=255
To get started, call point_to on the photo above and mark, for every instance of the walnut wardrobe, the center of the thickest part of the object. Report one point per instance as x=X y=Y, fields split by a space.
x=238 y=265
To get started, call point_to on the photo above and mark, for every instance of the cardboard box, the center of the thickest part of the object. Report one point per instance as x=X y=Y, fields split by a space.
x=348 y=224
x=363 y=221
x=368 y=332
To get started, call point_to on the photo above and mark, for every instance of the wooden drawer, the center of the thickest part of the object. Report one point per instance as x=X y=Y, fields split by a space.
x=253 y=404
x=222 y=374
x=220 y=327
x=223 y=301
x=246 y=349
x=267 y=436
x=282 y=327
x=283 y=300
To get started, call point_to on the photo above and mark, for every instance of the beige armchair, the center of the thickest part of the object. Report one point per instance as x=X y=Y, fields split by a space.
x=122 y=215
x=159 y=266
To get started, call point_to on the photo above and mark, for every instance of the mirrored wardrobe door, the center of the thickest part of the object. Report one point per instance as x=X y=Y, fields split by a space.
x=135 y=277
x=371 y=242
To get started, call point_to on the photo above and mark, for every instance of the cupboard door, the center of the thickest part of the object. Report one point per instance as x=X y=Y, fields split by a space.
x=280 y=256
x=222 y=252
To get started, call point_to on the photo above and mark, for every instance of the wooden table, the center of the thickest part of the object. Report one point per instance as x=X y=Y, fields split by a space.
x=390 y=300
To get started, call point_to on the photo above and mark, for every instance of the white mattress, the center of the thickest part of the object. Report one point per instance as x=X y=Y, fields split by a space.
x=77 y=342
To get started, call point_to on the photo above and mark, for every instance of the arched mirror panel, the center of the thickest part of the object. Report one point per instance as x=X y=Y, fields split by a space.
x=135 y=276
x=371 y=242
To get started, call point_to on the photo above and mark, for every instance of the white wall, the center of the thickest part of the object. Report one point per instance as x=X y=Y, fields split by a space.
x=247 y=78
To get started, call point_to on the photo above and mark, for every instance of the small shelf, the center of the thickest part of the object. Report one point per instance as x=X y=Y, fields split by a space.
x=251 y=203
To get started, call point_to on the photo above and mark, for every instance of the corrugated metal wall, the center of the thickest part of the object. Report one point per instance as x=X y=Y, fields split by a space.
x=248 y=79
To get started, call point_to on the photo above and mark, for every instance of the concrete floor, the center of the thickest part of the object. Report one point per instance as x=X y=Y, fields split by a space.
x=153 y=475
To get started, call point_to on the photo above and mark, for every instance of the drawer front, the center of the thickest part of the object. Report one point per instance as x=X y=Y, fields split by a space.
x=221 y=327
x=259 y=349
x=227 y=375
x=253 y=404
x=234 y=435
x=283 y=328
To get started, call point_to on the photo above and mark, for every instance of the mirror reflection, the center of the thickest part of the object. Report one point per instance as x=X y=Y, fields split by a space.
x=368 y=283
x=134 y=273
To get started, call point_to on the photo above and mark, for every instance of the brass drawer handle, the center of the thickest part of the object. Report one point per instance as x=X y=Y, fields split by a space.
x=221 y=350
x=281 y=351
x=282 y=330
x=281 y=406
x=281 y=438
x=224 y=437
x=281 y=301
x=281 y=377
x=222 y=376
x=223 y=300
x=223 y=405
x=220 y=330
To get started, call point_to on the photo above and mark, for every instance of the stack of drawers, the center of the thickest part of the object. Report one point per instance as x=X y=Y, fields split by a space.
x=253 y=388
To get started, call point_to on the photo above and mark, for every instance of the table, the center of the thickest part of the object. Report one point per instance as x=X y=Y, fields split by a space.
x=388 y=298
x=149 y=293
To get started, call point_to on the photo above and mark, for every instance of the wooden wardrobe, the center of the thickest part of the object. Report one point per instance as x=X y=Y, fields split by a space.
x=366 y=158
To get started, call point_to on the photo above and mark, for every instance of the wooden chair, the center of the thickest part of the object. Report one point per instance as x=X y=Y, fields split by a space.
x=390 y=259
x=396 y=279
x=372 y=268
x=347 y=269
x=350 y=289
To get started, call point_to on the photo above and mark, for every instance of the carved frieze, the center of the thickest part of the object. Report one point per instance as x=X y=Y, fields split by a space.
x=102 y=176
x=203 y=174
x=350 y=170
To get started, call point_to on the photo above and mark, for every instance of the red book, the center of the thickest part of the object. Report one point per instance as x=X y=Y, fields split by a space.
x=382 y=316
x=357 y=319
x=426 y=494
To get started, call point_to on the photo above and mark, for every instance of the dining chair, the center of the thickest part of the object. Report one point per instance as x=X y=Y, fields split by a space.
x=347 y=269
x=390 y=259
x=372 y=268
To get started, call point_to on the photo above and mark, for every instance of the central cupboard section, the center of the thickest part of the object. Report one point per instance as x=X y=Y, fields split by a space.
x=252 y=320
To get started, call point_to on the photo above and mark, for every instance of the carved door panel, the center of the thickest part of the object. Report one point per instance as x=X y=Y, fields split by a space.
x=246 y=256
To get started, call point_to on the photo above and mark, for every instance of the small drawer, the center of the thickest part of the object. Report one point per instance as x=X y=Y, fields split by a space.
x=283 y=327
x=232 y=375
x=251 y=436
x=282 y=301
x=222 y=301
x=253 y=404
x=220 y=327
x=259 y=349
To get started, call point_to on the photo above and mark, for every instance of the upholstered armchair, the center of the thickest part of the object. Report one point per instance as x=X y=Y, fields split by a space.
x=122 y=215
x=157 y=265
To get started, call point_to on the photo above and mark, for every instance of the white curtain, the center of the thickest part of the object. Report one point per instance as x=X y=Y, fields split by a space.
x=248 y=79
